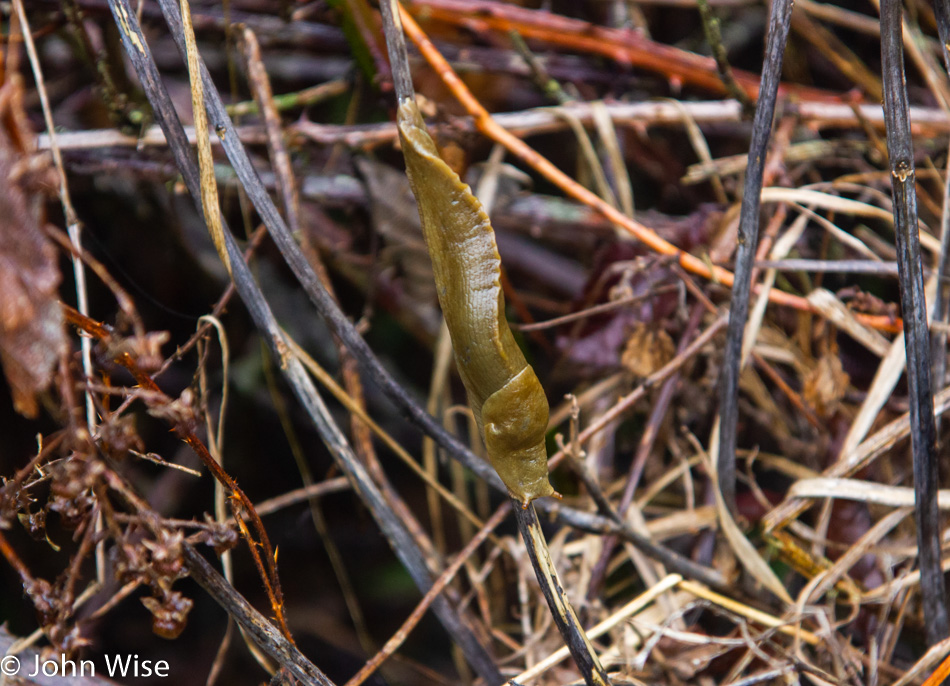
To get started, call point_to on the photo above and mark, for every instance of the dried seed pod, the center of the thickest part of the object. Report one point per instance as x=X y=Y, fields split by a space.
x=169 y=612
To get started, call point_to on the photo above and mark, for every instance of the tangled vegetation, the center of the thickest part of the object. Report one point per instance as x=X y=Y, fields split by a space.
x=234 y=437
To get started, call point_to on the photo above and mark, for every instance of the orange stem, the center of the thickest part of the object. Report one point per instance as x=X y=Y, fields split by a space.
x=941 y=673
x=487 y=125
x=622 y=46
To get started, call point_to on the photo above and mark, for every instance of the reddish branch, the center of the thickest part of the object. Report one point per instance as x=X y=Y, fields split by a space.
x=629 y=48
x=488 y=126
x=266 y=564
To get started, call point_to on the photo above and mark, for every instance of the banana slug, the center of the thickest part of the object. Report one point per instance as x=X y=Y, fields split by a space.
x=504 y=393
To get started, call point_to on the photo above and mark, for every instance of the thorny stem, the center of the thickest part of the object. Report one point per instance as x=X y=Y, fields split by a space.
x=15 y=561
x=268 y=571
x=253 y=622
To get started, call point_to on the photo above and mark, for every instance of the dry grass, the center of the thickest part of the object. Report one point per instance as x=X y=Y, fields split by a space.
x=615 y=185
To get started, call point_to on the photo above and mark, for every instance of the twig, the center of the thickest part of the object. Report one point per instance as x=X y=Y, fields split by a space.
x=593 y=310
x=365 y=40
x=940 y=674
x=487 y=124
x=392 y=645
x=392 y=527
x=299 y=495
x=779 y=21
x=834 y=14
x=545 y=82
x=287 y=101
x=917 y=341
x=926 y=121
x=625 y=47
x=74 y=229
x=714 y=38
x=830 y=266
x=253 y=622
x=525 y=514
x=564 y=618
x=941 y=305
x=838 y=53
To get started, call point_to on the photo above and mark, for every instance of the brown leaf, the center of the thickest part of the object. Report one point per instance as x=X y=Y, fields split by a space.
x=32 y=335
x=647 y=350
x=397 y=220
x=825 y=385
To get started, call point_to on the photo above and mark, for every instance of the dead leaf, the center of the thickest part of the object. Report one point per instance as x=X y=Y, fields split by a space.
x=397 y=221
x=825 y=384
x=648 y=349
x=32 y=335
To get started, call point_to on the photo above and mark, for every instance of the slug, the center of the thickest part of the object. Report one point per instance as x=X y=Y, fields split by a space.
x=504 y=393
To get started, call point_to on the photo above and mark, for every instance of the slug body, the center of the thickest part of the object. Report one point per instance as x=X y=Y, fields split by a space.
x=504 y=393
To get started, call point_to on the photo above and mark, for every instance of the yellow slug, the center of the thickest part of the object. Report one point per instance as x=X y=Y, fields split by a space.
x=503 y=391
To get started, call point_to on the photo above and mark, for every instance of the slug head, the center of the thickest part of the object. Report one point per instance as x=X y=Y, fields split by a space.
x=515 y=419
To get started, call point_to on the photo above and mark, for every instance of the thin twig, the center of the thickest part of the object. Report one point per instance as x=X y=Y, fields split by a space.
x=917 y=340
x=526 y=516
x=779 y=22
x=628 y=47
x=941 y=305
x=714 y=38
x=399 y=637
x=74 y=229
x=253 y=622
x=393 y=528
x=561 y=610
